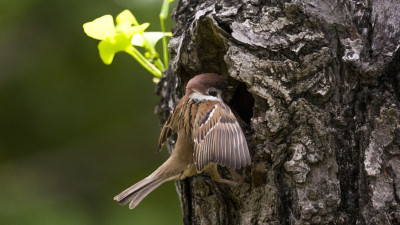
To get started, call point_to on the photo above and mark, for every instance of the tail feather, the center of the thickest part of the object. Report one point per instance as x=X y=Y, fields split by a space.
x=140 y=195
x=137 y=192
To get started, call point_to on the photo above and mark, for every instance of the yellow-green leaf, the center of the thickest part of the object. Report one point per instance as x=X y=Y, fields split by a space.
x=100 y=28
x=134 y=29
x=137 y=39
x=126 y=17
x=110 y=46
x=153 y=37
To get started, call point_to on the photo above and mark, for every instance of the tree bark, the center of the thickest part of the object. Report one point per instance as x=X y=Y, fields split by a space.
x=317 y=95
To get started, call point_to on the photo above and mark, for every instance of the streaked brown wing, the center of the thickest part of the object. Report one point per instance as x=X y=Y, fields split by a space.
x=184 y=111
x=218 y=138
x=172 y=125
x=165 y=134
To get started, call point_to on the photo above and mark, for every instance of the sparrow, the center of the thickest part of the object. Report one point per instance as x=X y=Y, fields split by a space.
x=208 y=134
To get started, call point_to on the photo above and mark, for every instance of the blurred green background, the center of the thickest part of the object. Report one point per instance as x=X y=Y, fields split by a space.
x=73 y=131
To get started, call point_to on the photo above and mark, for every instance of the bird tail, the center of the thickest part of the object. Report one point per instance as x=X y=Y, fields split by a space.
x=137 y=192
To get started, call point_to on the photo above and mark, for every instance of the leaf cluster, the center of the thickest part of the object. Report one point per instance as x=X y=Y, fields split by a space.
x=126 y=35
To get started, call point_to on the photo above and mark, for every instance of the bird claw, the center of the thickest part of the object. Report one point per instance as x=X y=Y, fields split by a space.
x=230 y=182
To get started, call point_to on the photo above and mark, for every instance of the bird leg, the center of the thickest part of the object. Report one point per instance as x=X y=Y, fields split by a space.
x=236 y=176
x=214 y=174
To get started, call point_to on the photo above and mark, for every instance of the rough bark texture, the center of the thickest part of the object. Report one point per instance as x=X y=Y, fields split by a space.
x=317 y=95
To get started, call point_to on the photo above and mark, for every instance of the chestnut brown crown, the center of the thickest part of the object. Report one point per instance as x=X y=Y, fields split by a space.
x=203 y=82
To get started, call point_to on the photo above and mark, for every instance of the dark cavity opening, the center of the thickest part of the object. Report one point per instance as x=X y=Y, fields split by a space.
x=243 y=102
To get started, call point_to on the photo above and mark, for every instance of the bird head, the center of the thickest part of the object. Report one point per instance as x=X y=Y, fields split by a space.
x=206 y=87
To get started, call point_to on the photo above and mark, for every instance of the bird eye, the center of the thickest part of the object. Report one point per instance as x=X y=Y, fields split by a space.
x=212 y=92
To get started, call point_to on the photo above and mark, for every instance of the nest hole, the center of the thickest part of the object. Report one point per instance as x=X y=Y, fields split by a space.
x=242 y=103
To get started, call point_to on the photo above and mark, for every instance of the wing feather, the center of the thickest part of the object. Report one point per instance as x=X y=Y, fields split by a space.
x=237 y=140
x=226 y=148
x=175 y=121
x=218 y=138
x=232 y=145
x=220 y=146
x=166 y=132
x=243 y=158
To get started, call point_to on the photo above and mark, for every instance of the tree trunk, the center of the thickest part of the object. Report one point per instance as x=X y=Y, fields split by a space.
x=317 y=95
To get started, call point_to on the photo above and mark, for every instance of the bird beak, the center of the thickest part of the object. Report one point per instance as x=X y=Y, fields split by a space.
x=227 y=86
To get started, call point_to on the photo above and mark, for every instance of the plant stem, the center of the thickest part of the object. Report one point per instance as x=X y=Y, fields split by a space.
x=143 y=61
x=163 y=16
x=164 y=41
x=159 y=65
x=150 y=48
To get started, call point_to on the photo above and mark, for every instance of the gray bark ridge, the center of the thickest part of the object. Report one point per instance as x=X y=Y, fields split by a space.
x=317 y=86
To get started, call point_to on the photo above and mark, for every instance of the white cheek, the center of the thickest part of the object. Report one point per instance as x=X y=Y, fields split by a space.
x=198 y=97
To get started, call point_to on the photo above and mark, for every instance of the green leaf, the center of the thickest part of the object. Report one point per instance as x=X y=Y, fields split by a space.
x=151 y=37
x=110 y=46
x=133 y=30
x=100 y=28
x=126 y=17
x=122 y=36
x=137 y=40
x=125 y=20
x=154 y=37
